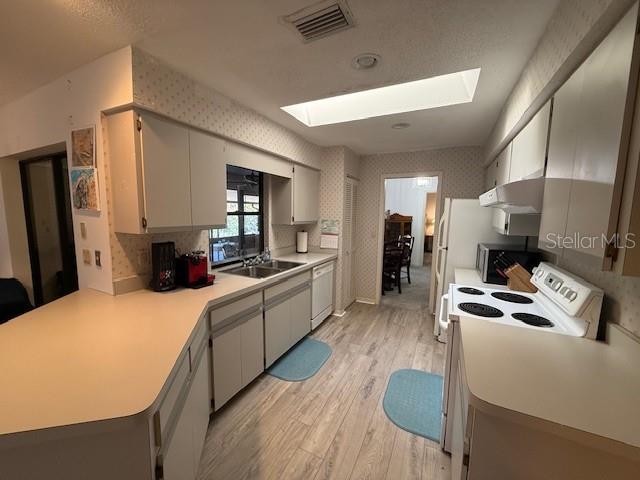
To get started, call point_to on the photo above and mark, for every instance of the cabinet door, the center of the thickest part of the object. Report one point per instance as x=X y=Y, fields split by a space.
x=208 y=180
x=562 y=146
x=599 y=159
x=167 y=189
x=503 y=166
x=490 y=176
x=252 y=348
x=306 y=194
x=300 y=315
x=199 y=404
x=178 y=461
x=277 y=331
x=227 y=365
x=529 y=150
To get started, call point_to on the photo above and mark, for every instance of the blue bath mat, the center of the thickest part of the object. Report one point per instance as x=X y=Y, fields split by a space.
x=413 y=401
x=302 y=361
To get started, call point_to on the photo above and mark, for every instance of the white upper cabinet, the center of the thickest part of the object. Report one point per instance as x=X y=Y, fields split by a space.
x=165 y=177
x=490 y=176
x=164 y=149
x=208 y=180
x=529 y=151
x=588 y=149
x=503 y=166
x=296 y=200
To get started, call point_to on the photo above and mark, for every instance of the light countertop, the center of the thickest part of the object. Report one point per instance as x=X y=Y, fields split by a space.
x=92 y=356
x=585 y=389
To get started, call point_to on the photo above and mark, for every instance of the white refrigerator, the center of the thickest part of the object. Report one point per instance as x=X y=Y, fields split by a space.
x=463 y=225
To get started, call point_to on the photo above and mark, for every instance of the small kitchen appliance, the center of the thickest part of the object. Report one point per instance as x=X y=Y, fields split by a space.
x=488 y=260
x=192 y=270
x=163 y=266
x=563 y=304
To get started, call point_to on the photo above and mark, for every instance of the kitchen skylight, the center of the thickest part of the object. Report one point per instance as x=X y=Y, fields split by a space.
x=440 y=91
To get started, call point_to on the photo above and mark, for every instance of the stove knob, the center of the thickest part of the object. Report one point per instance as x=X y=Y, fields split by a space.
x=572 y=295
x=555 y=286
x=564 y=290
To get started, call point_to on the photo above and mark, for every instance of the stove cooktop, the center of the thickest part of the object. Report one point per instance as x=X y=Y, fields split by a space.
x=520 y=309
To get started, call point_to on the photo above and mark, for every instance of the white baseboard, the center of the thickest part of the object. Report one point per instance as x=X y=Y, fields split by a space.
x=368 y=301
x=339 y=313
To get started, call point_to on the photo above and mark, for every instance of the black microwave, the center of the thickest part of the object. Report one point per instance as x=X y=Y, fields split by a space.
x=487 y=254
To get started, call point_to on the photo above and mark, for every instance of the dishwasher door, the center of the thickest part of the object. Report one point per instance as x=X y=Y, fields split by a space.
x=321 y=294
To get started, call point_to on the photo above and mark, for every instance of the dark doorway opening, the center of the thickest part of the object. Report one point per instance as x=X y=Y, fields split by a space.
x=47 y=207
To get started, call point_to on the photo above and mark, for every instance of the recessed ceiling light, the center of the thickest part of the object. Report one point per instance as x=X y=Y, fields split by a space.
x=365 y=61
x=441 y=91
x=401 y=125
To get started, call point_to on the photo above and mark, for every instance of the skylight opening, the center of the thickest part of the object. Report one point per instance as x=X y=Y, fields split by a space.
x=434 y=92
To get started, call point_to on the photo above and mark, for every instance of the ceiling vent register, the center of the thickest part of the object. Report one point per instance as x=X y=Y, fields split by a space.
x=320 y=20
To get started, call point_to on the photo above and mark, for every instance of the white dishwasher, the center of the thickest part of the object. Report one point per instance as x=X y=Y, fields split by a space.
x=321 y=294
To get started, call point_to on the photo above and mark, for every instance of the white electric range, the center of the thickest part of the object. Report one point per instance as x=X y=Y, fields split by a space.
x=564 y=304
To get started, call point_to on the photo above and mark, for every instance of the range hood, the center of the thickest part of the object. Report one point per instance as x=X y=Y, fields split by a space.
x=521 y=196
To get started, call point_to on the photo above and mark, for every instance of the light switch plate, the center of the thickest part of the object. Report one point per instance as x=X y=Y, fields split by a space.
x=86 y=256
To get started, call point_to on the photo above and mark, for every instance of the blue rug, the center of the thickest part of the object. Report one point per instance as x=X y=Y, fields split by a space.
x=302 y=361
x=413 y=401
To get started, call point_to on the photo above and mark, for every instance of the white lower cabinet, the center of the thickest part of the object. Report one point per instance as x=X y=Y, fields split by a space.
x=300 y=305
x=287 y=317
x=182 y=439
x=238 y=347
x=277 y=331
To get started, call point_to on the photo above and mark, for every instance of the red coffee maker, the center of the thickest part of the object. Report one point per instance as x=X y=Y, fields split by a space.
x=192 y=270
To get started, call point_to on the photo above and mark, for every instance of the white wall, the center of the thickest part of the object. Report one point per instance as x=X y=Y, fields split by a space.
x=406 y=197
x=46 y=116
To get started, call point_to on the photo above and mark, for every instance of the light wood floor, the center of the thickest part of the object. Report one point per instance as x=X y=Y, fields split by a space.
x=333 y=425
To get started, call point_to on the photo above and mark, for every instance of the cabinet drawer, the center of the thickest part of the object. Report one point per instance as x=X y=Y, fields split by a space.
x=286 y=286
x=169 y=402
x=221 y=314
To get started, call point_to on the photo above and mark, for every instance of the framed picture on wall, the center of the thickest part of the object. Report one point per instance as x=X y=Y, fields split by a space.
x=83 y=147
x=84 y=189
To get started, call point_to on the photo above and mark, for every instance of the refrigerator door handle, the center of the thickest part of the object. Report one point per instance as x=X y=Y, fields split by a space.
x=442 y=324
x=441 y=231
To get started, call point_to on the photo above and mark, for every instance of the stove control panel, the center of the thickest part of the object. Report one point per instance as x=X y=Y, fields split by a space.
x=564 y=289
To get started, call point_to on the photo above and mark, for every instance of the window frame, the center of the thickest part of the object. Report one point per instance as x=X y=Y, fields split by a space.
x=240 y=213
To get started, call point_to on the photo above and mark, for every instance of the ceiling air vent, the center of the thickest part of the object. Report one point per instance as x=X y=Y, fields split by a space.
x=320 y=19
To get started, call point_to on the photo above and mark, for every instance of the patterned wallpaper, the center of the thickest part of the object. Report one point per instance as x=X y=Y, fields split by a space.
x=462 y=177
x=337 y=162
x=570 y=24
x=166 y=91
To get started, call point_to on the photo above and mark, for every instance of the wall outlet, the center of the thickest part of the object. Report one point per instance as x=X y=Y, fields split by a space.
x=98 y=261
x=143 y=259
x=86 y=256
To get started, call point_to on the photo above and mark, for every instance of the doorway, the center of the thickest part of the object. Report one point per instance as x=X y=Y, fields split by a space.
x=47 y=208
x=409 y=210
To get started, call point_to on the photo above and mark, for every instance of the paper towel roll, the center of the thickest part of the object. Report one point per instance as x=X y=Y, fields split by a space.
x=302 y=240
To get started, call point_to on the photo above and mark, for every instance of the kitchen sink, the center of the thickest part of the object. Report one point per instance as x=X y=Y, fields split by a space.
x=281 y=264
x=257 y=271
x=264 y=270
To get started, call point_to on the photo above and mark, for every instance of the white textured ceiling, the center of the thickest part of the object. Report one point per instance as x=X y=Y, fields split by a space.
x=240 y=49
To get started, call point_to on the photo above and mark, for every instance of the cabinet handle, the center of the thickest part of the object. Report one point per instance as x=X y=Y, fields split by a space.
x=465 y=459
x=159 y=472
x=144 y=222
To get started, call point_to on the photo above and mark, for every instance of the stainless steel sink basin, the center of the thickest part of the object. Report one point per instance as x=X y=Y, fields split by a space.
x=264 y=270
x=281 y=264
x=257 y=271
